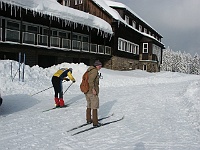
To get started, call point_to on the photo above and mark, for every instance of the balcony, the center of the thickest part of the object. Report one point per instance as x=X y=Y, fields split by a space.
x=34 y=39
x=12 y=35
x=148 y=57
x=28 y=38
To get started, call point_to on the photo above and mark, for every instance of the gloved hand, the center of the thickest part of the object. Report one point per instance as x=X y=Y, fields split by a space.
x=66 y=79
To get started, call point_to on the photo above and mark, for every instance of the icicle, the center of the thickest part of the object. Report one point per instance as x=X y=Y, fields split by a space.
x=15 y=12
x=110 y=37
x=33 y=13
x=5 y=6
x=11 y=10
x=20 y=11
x=66 y=23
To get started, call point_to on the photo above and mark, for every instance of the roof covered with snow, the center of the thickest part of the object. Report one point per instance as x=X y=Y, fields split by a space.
x=107 y=4
x=53 y=8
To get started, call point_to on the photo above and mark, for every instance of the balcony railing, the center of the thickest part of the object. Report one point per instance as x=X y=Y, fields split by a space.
x=101 y=49
x=66 y=43
x=28 y=38
x=76 y=45
x=148 y=57
x=12 y=35
x=93 y=48
x=107 y=50
x=85 y=46
x=42 y=40
x=55 y=42
x=0 y=34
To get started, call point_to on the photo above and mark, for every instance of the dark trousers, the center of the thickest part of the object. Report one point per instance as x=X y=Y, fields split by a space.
x=57 y=85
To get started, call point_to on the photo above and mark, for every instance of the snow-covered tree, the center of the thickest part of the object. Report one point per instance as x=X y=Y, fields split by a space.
x=180 y=62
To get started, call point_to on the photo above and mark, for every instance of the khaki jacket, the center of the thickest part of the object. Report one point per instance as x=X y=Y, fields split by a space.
x=93 y=79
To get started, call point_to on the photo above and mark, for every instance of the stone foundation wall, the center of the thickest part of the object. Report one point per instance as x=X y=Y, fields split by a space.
x=119 y=63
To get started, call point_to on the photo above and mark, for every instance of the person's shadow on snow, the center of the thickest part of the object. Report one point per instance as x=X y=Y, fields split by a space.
x=75 y=99
x=139 y=146
x=17 y=102
x=106 y=108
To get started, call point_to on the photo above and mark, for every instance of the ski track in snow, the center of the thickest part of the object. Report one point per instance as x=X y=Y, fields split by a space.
x=161 y=113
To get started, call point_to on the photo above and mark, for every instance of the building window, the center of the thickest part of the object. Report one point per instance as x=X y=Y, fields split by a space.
x=119 y=44
x=43 y=36
x=127 y=46
x=136 y=49
x=149 y=32
x=108 y=50
x=127 y=19
x=145 y=47
x=0 y=30
x=134 y=24
x=80 y=42
x=140 y=28
x=157 y=51
x=144 y=67
x=67 y=2
x=29 y=33
x=145 y=30
x=55 y=40
x=76 y=2
x=12 y=31
x=80 y=1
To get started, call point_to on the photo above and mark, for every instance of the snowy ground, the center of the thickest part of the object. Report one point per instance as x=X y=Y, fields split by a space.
x=162 y=111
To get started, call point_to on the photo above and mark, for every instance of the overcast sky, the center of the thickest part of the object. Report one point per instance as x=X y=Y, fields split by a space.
x=178 y=21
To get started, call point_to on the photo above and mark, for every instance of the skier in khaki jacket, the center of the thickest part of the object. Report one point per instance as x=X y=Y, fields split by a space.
x=92 y=96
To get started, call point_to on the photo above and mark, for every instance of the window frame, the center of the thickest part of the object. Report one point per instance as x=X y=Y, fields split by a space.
x=127 y=46
x=145 y=48
x=127 y=19
x=140 y=28
x=134 y=24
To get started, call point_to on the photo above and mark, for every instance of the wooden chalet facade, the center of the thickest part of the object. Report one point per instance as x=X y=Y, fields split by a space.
x=47 y=40
x=135 y=44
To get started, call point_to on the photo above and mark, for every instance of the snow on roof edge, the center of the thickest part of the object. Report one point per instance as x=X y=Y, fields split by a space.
x=62 y=12
x=121 y=5
x=103 y=4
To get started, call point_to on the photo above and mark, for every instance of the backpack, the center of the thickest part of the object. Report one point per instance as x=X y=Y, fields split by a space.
x=84 y=86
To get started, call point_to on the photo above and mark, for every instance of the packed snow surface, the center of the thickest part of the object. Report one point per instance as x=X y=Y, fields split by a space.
x=161 y=111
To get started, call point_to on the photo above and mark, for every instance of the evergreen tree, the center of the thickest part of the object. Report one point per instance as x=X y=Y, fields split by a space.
x=180 y=62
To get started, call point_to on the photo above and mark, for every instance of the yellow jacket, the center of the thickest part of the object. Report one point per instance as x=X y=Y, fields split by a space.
x=64 y=72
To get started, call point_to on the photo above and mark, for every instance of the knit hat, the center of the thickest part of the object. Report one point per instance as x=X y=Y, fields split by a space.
x=97 y=63
x=70 y=69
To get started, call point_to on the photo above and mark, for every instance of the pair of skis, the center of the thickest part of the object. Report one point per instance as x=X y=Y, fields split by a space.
x=85 y=124
x=93 y=127
x=56 y=108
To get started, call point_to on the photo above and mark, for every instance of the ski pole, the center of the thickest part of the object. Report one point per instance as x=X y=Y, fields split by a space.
x=67 y=88
x=42 y=91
